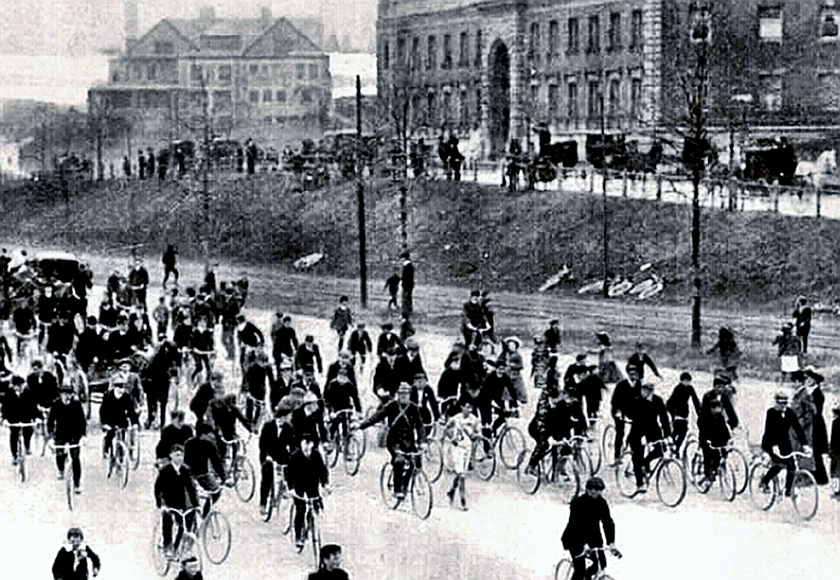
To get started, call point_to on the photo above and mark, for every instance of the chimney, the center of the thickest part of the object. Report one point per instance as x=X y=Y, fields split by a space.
x=265 y=17
x=131 y=23
x=206 y=14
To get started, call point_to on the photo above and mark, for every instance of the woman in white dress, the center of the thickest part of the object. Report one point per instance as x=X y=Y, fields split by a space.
x=459 y=433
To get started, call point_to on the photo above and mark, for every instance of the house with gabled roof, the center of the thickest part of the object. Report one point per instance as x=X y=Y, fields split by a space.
x=259 y=78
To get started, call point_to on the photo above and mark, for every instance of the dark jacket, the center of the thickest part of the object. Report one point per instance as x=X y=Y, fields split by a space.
x=405 y=425
x=182 y=575
x=678 y=401
x=313 y=423
x=306 y=474
x=172 y=435
x=342 y=319
x=586 y=516
x=309 y=359
x=278 y=445
x=64 y=566
x=495 y=389
x=408 y=276
x=386 y=377
x=640 y=361
x=88 y=346
x=285 y=342
x=224 y=413
x=359 y=342
x=714 y=429
x=44 y=388
x=24 y=320
x=61 y=338
x=834 y=443
x=175 y=488
x=624 y=396
x=407 y=368
x=338 y=574
x=451 y=384
x=332 y=372
x=251 y=336
x=202 y=341
x=116 y=412
x=560 y=422
x=201 y=454
x=342 y=395
x=820 y=434
x=67 y=423
x=553 y=339
x=650 y=418
x=19 y=409
x=725 y=401
x=121 y=345
x=386 y=341
x=777 y=426
x=279 y=389
x=255 y=380
x=201 y=401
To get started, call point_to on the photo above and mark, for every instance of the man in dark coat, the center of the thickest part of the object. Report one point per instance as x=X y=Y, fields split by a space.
x=621 y=406
x=308 y=356
x=174 y=488
x=651 y=423
x=67 y=425
x=779 y=422
x=278 y=442
x=802 y=318
x=407 y=281
x=285 y=342
x=587 y=514
x=175 y=433
x=71 y=562
x=169 y=260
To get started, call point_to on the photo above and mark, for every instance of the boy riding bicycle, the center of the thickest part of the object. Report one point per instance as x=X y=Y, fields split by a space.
x=587 y=514
x=305 y=475
x=174 y=488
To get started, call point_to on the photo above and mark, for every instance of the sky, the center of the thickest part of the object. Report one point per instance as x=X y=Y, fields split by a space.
x=82 y=27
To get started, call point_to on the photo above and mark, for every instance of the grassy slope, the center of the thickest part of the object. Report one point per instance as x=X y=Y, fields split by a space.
x=460 y=234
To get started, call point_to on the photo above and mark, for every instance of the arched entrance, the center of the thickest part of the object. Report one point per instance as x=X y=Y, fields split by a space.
x=499 y=98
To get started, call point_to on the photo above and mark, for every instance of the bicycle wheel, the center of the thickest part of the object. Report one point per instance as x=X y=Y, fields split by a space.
x=696 y=472
x=216 y=537
x=120 y=463
x=583 y=464
x=386 y=486
x=737 y=464
x=332 y=453
x=162 y=562
x=511 y=446
x=528 y=482
x=68 y=484
x=352 y=453
x=566 y=479
x=762 y=499
x=564 y=570
x=805 y=495
x=421 y=494
x=244 y=480
x=484 y=460
x=625 y=476
x=608 y=444
x=290 y=521
x=593 y=447
x=433 y=461
x=361 y=439
x=670 y=482
x=134 y=452
x=689 y=448
x=315 y=532
x=269 y=504
x=728 y=485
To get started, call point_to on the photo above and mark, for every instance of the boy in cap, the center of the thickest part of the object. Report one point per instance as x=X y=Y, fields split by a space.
x=309 y=355
x=342 y=320
x=190 y=569
x=67 y=425
x=678 y=407
x=387 y=340
x=174 y=488
x=359 y=343
x=277 y=443
x=778 y=424
x=392 y=284
x=305 y=475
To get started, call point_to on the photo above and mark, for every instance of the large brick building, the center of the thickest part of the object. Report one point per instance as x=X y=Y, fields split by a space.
x=496 y=68
x=259 y=78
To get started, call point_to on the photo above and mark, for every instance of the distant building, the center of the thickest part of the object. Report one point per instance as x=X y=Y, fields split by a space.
x=494 y=69
x=259 y=78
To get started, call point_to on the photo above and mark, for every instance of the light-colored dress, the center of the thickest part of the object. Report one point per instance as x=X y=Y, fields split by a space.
x=458 y=442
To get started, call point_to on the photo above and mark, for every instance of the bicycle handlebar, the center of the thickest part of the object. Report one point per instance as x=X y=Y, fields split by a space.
x=65 y=446
x=308 y=500
x=176 y=511
x=21 y=425
x=795 y=454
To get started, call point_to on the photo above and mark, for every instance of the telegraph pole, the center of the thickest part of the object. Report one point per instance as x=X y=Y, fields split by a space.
x=205 y=180
x=360 y=197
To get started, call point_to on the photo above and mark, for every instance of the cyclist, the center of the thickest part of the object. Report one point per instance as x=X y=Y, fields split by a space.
x=117 y=412
x=202 y=342
x=721 y=391
x=19 y=407
x=161 y=316
x=158 y=378
x=305 y=475
x=308 y=356
x=283 y=385
x=133 y=385
x=345 y=361
x=176 y=433
x=89 y=345
x=255 y=382
x=201 y=456
x=359 y=344
x=410 y=363
x=229 y=307
x=625 y=393
x=342 y=320
x=330 y=566
x=460 y=430
x=309 y=418
x=71 y=562
x=587 y=514
x=405 y=433
x=589 y=389
x=42 y=384
x=558 y=417
x=678 y=407
x=651 y=423
x=450 y=384
x=67 y=425
x=24 y=320
x=385 y=377
x=122 y=343
x=641 y=359
x=174 y=488
x=714 y=431
x=339 y=395
x=277 y=441
x=224 y=414
x=248 y=336
x=473 y=321
x=107 y=318
x=213 y=388
x=285 y=342
x=497 y=394
x=424 y=397
x=387 y=340
x=779 y=422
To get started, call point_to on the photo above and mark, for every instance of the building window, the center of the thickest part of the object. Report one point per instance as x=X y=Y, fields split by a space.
x=464 y=50
x=615 y=98
x=225 y=74
x=306 y=97
x=196 y=73
x=267 y=94
x=635 y=97
x=771 y=92
x=254 y=71
x=574 y=36
x=163 y=47
x=401 y=47
x=553 y=102
x=447 y=52
x=593 y=44
x=770 y=24
x=431 y=109
x=478 y=105
x=636 y=30
x=151 y=72
x=464 y=116
x=594 y=100
x=415 y=54
x=386 y=55
x=829 y=88
x=534 y=44
x=280 y=96
x=828 y=23
x=479 y=48
x=431 y=53
x=614 y=40
x=313 y=72
x=447 y=106
x=254 y=97
x=535 y=102
x=300 y=72
x=572 y=100
x=553 y=39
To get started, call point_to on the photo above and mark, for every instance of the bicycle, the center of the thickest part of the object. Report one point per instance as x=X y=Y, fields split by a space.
x=561 y=469
x=67 y=471
x=118 y=458
x=668 y=474
x=239 y=468
x=419 y=487
x=804 y=493
x=509 y=440
x=350 y=444
x=310 y=525
x=277 y=493
x=27 y=348
x=565 y=568
x=482 y=458
x=20 y=463
x=608 y=441
x=214 y=530
x=243 y=398
x=593 y=445
x=724 y=475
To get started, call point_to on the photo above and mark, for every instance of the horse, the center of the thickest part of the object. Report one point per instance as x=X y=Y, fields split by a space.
x=816 y=172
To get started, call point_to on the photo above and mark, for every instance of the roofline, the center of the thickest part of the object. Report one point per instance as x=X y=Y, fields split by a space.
x=160 y=23
x=273 y=26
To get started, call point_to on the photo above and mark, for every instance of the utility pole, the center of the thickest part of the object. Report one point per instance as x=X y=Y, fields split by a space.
x=360 y=196
x=205 y=180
